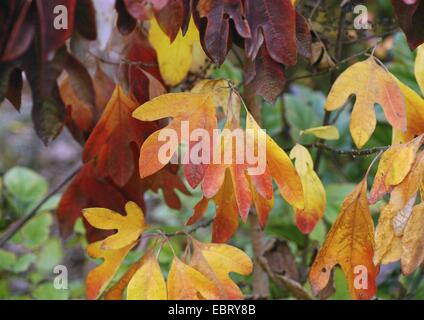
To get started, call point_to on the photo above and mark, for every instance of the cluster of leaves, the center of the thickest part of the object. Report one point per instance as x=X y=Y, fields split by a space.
x=26 y=263
x=161 y=43
x=203 y=272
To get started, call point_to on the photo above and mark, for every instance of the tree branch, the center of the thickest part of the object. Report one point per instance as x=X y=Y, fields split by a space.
x=260 y=281
x=348 y=152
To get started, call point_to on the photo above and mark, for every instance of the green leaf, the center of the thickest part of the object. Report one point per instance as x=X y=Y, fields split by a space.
x=47 y=291
x=335 y=195
x=7 y=260
x=25 y=188
x=50 y=256
x=35 y=232
x=24 y=262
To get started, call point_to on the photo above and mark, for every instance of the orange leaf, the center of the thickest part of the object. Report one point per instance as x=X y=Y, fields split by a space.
x=349 y=243
x=186 y=283
x=98 y=278
x=116 y=130
x=196 y=108
x=216 y=261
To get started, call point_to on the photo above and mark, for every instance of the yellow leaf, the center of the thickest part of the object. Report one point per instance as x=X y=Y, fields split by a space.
x=387 y=245
x=117 y=290
x=349 y=243
x=313 y=190
x=216 y=261
x=128 y=227
x=394 y=165
x=98 y=278
x=324 y=132
x=414 y=115
x=413 y=241
x=394 y=224
x=370 y=84
x=147 y=283
x=219 y=90
x=174 y=58
x=419 y=67
x=186 y=283
x=280 y=167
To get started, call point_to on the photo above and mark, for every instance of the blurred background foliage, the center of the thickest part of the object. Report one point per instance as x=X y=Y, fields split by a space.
x=28 y=260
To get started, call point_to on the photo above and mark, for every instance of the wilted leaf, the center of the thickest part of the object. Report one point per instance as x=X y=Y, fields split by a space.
x=410 y=16
x=215 y=26
x=272 y=22
x=413 y=241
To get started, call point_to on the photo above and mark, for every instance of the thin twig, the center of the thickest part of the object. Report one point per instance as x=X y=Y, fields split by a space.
x=348 y=152
x=15 y=227
x=338 y=56
x=203 y=224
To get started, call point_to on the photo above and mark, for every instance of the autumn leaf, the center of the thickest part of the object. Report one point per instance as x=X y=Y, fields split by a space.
x=313 y=190
x=349 y=243
x=116 y=130
x=147 y=283
x=410 y=20
x=280 y=168
x=186 y=283
x=370 y=84
x=98 y=278
x=394 y=165
x=419 y=67
x=197 y=109
x=272 y=22
x=214 y=25
x=265 y=75
x=174 y=58
x=324 y=132
x=128 y=227
x=216 y=261
x=413 y=241
x=414 y=115
x=145 y=81
x=396 y=235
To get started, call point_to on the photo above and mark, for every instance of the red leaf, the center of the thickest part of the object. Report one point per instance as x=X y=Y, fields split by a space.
x=111 y=140
x=17 y=30
x=272 y=22
x=213 y=17
x=411 y=19
x=51 y=39
x=265 y=76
